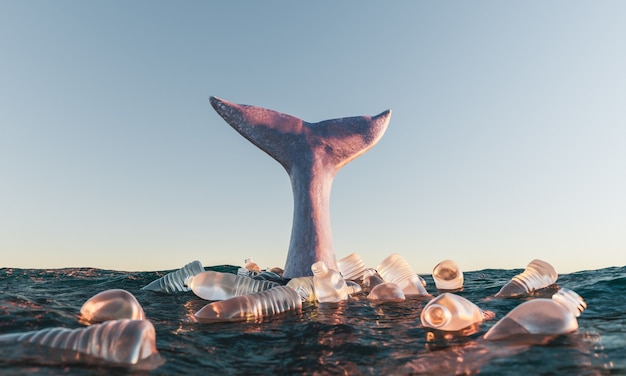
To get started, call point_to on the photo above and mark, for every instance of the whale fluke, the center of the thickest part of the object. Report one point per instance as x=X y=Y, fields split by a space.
x=311 y=153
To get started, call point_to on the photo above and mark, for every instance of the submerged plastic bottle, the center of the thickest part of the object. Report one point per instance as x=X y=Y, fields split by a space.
x=448 y=276
x=175 y=281
x=256 y=305
x=212 y=285
x=125 y=342
x=351 y=267
x=451 y=312
x=538 y=274
x=329 y=284
x=111 y=304
x=304 y=287
x=541 y=316
x=386 y=292
x=395 y=269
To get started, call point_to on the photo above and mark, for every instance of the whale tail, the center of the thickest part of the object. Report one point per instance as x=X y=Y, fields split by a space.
x=311 y=153
x=284 y=137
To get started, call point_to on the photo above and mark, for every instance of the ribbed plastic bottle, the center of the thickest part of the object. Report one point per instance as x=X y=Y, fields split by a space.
x=386 y=292
x=304 y=287
x=111 y=304
x=175 y=281
x=538 y=274
x=329 y=284
x=211 y=285
x=125 y=342
x=256 y=305
x=351 y=267
x=541 y=316
x=448 y=276
x=395 y=269
x=450 y=312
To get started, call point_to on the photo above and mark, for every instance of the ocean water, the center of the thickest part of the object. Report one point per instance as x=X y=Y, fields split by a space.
x=353 y=337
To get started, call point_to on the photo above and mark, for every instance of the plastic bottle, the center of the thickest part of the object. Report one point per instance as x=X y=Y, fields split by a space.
x=351 y=267
x=256 y=305
x=126 y=342
x=386 y=292
x=304 y=287
x=448 y=276
x=541 y=316
x=329 y=284
x=175 y=281
x=371 y=278
x=212 y=285
x=111 y=304
x=252 y=267
x=395 y=269
x=538 y=274
x=451 y=312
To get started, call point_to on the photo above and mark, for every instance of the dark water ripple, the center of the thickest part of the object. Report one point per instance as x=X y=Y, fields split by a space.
x=353 y=337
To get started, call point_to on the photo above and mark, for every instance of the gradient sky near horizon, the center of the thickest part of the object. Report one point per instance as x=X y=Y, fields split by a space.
x=506 y=142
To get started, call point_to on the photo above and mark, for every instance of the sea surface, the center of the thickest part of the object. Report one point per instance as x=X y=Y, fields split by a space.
x=353 y=337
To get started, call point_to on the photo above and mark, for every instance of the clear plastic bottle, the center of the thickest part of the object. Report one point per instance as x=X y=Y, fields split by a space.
x=448 y=276
x=111 y=304
x=538 y=274
x=351 y=267
x=371 y=278
x=541 y=316
x=395 y=269
x=252 y=267
x=211 y=285
x=126 y=342
x=329 y=284
x=386 y=292
x=175 y=281
x=304 y=287
x=451 y=312
x=256 y=305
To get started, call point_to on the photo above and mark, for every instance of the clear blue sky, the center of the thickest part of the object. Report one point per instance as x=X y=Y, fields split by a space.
x=506 y=143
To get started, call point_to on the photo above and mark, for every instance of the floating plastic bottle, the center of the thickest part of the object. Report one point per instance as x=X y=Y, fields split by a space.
x=112 y=304
x=252 y=306
x=395 y=269
x=451 y=312
x=329 y=284
x=351 y=267
x=386 y=292
x=371 y=278
x=541 y=316
x=448 y=276
x=304 y=287
x=538 y=274
x=125 y=342
x=175 y=281
x=212 y=285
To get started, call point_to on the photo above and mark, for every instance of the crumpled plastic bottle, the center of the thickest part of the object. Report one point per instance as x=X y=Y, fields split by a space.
x=540 y=316
x=451 y=312
x=448 y=276
x=252 y=306
x=111 y=304
x=211 y=285
x=538 y=274
x=371 y=278
x=329 y=284
x=175 y=281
